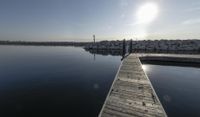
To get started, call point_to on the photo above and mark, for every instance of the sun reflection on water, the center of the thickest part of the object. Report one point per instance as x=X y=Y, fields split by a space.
x=145 y=67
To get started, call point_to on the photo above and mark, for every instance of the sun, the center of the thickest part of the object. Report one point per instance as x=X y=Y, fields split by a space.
x=147 y=13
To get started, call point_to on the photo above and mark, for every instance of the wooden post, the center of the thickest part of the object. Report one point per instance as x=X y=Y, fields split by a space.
x=124 y=47
x=94 y=38
x=130 y=48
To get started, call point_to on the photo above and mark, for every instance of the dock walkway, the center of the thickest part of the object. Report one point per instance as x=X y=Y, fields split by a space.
x=131 y=94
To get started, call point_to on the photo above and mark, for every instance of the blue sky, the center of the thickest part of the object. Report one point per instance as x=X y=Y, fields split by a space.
x=78 y=20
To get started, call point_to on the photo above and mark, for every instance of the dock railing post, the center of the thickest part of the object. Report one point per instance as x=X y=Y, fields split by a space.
x=124 y=47
x=130 y=46
x=94 y=39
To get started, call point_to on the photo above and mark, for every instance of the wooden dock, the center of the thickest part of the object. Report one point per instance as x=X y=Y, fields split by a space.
x=131 y=94
x=178 y=58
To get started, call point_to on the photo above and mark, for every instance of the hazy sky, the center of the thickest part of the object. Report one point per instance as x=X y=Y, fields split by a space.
x=59 y=20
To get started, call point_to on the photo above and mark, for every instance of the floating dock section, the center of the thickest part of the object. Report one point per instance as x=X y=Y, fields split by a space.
x=178 y=58
x=131 y=94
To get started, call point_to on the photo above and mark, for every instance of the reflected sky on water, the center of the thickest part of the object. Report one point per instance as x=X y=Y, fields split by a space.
x=177 y=87
x=50 y=81
x=53 y=81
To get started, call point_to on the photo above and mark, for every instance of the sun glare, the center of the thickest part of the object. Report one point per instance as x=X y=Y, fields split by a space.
x=147 y=13
x=145 y=67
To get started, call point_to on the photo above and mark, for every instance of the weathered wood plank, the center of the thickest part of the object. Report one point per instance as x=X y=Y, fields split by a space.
x=131 y=94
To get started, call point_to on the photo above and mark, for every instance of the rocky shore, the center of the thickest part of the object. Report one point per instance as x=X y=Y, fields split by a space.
x=165 y=46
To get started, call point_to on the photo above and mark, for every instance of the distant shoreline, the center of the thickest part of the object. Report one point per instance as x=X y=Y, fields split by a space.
x=144 y=46
x=47 y=43
x=152 y=56
x=148 y=46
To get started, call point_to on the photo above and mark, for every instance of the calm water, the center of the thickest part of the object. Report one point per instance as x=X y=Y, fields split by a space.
x=53 y=81
x=38 y=81
x=178 y=89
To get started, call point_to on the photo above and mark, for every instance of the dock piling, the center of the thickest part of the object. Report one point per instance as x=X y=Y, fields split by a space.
x=124 y=48
x=130 y=46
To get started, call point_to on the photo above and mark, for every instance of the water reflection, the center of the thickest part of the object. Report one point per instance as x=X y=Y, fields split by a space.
x=145 y=67
x=105 y=52
x=53 y=81
x=177 y=87
x=116 y=52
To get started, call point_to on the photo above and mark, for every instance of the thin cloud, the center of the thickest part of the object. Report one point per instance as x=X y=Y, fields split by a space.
x=192 y=21
x=135 y=23
x=122 y=16
x=123 y=3
x=193 y=9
